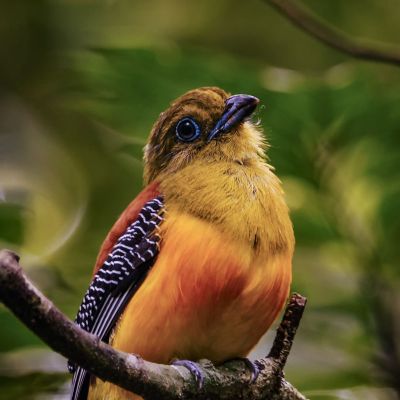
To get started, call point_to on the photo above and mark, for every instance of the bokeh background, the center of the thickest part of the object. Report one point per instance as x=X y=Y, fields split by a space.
x=82 y=81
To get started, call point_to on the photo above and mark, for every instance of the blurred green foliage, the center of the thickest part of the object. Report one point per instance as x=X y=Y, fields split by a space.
x=81 y=83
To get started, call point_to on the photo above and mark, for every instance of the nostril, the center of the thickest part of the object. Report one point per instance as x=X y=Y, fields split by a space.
x=237 y=109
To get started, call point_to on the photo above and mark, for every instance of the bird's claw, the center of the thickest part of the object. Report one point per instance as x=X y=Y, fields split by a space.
x=193 y=368
x=252 y=366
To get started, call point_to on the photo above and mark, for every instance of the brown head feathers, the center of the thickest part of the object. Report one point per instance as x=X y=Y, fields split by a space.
x=180 y=134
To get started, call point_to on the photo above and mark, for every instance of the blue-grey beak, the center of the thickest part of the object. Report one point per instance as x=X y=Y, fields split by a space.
x=237 y=109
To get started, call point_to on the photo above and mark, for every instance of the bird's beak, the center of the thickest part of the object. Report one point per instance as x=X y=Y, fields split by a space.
x=237 y=108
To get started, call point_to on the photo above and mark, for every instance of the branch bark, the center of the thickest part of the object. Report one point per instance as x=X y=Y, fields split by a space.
x=150 y=380
x=310 y=23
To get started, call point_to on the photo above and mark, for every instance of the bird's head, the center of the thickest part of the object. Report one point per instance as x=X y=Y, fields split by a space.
x=204 y=124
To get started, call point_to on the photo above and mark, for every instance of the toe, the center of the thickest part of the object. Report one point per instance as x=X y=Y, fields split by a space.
x=252 y=366
x=194 y=369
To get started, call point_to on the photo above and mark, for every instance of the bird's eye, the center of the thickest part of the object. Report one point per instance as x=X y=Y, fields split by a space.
x=187 y=130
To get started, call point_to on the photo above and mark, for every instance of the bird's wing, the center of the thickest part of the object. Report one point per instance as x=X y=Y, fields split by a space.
x=117 y=280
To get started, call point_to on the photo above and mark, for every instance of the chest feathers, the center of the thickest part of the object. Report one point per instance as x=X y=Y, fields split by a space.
x=244 y=200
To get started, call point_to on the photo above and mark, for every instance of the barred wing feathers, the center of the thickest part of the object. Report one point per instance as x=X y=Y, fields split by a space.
x=116 y=281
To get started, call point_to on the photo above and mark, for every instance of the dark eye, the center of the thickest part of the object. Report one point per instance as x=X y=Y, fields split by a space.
x=187 y=130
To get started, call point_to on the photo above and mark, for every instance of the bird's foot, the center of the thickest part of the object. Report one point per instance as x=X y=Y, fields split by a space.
x=252 y=366
x=194 y=369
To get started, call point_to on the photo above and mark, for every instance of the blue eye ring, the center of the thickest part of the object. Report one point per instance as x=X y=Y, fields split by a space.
x=187 y=130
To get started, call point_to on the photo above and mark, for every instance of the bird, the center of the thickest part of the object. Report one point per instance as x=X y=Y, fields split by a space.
x=199 y=264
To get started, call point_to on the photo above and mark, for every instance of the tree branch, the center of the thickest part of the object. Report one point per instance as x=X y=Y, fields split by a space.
x=310 y=23
x=150 y=380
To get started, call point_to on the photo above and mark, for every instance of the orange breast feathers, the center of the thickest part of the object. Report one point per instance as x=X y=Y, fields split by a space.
x=206 y=296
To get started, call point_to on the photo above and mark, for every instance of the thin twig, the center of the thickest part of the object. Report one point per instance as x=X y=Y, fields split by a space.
x=150 y=380
x=287 y=329
x=310 y=23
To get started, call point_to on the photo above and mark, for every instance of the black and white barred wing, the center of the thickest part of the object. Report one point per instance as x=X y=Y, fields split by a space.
x=117 y=281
